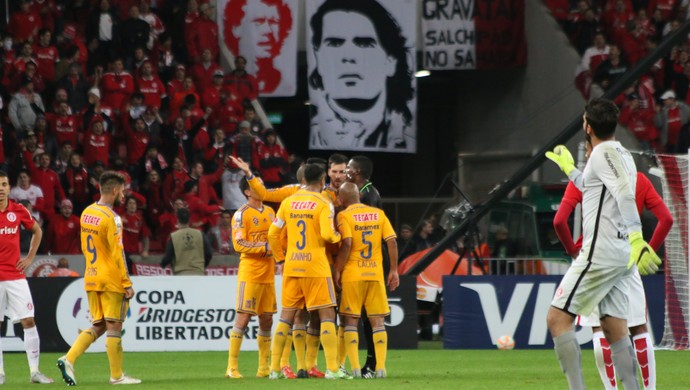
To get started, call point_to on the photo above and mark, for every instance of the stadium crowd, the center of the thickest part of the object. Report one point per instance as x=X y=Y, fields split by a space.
x=133 y=86
x=614 y=35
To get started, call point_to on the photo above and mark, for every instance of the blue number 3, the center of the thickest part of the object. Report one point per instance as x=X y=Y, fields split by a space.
x=91 y=248
x=366 y=254
x=303 y=232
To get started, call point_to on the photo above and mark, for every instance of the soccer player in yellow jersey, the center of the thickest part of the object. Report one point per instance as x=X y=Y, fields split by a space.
x=106 y=280
x=256 y=295
x=308 y=218
x=359 y=270
x=306 y=338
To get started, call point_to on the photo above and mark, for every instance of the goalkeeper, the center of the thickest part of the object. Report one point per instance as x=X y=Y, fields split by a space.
x=645 y=197
x=601 y=276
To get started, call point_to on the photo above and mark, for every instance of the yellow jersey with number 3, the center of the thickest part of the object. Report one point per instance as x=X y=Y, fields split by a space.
x=368 y=227
x=250 y=240
x=101 y=244
x=308 y=218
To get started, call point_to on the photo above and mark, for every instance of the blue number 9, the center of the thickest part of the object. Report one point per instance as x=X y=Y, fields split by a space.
x=303 y=232
x=366 y=254
x=91 y=248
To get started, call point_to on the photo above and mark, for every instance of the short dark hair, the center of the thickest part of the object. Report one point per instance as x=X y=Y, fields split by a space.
x=111 y=179
x=336 y=158
x=602 y=117
x=4 y=174
x=224 y=212
x=318 y=160
x=399 y=86
x=244 y=185
x=183 y=215
x=365 y=166
x=313 y=173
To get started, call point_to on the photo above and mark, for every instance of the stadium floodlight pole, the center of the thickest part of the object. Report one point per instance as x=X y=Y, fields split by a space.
x=538 y=159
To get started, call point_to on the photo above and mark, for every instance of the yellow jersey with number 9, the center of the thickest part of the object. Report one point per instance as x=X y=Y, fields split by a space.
x=368 y=227
x=101 y=244
x=308 y=218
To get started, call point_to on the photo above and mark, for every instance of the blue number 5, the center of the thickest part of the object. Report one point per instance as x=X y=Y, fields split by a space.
x=302 y=225
x=91 y=248
x=366 y=254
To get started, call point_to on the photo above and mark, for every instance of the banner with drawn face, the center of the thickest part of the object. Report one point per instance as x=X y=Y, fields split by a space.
x=361 y=64
x=264 y=32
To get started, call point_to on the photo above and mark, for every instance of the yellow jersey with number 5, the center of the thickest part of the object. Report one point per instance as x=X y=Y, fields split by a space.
x=308 y=218
x=101 y=244
x=368 y=227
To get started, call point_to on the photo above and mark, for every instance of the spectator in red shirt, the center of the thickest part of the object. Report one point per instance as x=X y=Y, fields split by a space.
x=63 y=234
x=25 y=56
x=152 y=188
x=202 y=214
x=190 y=18
x=63 y=126
x=669 y=120
x=48 y=11
x=96 y=143
x=175 y=180
x=24 y=23
x=211 y=96
x=116 y=86
x=47 y=180
x=206 y=183
x=273 y=160
x=241 y=83
x=96 y=108
x=177 y=83
x=665 y=6
x=150 y=86
x=30 y=73
x=76 y=183
x=138 y=139
x=46 y=56
x=204 y=71
x=70 y=42
x=178 y=99
x=168 y=219
x=217 y=151
x=639 y=121
x=203 y=35
x=134 y=231
x=229 y=114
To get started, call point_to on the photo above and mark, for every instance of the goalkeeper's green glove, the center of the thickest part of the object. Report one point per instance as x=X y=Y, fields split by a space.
x=643 y=255
x=562 y=157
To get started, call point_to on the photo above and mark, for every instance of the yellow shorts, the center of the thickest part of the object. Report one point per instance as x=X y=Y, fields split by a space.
x=370 y=294
x=108 y=305
x=256 y=298
x=314 y=293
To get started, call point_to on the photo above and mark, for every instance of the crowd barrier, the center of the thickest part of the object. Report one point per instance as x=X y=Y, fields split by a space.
x=176 y=313
x=477 y=310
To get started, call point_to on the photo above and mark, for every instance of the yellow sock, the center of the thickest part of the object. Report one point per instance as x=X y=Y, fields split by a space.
x=287 y=350
x=342 y=350
x=264 y=341
x=113 y=348
x=313 y=342
x=236 y=337
x=278 y=343
x=351 y=339
x=380 y=346
x=329 y=340
x=299 y=340
x=84 y=340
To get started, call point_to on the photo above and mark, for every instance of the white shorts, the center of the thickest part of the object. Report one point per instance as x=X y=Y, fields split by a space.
x=637 y=314
x=15 y=300
x=586 y=286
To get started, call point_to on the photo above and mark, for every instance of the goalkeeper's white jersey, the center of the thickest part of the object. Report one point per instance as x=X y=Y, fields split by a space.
x=609 y=212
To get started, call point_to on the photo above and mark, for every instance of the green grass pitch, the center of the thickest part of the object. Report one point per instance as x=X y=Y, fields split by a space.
x=428 y=367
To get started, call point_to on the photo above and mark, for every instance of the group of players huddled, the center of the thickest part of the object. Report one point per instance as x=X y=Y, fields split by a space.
x=325 y=240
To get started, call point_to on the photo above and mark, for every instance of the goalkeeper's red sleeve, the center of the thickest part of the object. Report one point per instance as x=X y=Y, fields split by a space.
x=652 y=201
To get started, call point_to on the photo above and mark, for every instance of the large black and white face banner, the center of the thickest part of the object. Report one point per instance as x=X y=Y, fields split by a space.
x=265 y=33
x=361 y=61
